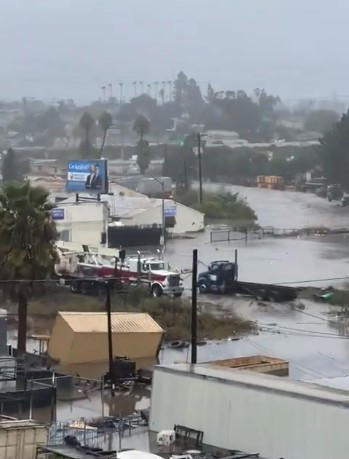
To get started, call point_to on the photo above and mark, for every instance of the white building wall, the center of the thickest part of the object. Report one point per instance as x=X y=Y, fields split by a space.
x=85 y=221
x=187 y=219
x=275 y=423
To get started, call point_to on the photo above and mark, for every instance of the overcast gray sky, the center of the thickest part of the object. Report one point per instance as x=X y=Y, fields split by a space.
x=69 y=48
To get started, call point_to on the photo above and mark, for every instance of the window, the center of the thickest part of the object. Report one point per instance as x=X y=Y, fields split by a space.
x=64 y=235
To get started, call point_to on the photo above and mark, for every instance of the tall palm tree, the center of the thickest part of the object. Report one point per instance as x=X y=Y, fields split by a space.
x=141 y=126
x=86 y=123
x=27 y=252
x=104 y=121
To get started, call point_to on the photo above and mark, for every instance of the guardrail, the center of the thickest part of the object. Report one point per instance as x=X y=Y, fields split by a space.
x=240 y=234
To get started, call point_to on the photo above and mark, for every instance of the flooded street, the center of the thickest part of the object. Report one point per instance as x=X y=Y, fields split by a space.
x=288 y=209
x=277 y=260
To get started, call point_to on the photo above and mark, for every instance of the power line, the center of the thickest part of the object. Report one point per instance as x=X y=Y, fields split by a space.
x=300 y=367
x=299 y=332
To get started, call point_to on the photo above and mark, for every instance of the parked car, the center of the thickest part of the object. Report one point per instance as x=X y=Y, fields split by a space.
x=345 y=201
x=334 y=192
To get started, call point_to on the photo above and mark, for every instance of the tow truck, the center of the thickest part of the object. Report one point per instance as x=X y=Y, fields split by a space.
x=222 y=277
x=86 y=270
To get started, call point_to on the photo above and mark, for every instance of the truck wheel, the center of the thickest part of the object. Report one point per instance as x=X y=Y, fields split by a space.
x=156 y=291
x=203 y=288
x=84 y=287
x=75 y=286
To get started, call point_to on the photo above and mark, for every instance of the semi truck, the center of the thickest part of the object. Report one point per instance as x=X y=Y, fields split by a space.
x=85 y=271
x=222 y=277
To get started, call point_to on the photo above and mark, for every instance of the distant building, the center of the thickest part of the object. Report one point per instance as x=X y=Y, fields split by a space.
x=46 y=167
x=50 y=183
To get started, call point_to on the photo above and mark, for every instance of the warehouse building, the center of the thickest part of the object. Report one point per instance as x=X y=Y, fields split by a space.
x=139 y=211
x=87 y=222
x=246 y=410
x=82 y=222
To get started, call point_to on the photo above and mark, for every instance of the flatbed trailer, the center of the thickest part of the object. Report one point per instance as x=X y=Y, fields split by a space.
x=267 y=292
x=222 y=278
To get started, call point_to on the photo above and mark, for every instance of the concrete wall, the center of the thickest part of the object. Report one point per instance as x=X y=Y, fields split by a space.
x=85 y=222
x=265 y=414
x=19 y=439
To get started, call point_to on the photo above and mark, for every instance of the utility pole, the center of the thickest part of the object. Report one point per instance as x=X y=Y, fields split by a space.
x=163 y=215
x=110 y=336
x=200 y=168
x=194 y=308
x=121 y=92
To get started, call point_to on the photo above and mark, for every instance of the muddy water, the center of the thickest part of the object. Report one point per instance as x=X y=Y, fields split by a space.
x=289 y=209
x=316 y=349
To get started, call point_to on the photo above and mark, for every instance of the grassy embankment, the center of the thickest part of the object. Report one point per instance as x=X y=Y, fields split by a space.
x=173 y=315
x=221 y=206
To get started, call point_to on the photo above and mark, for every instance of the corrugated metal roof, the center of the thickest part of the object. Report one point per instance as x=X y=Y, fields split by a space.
x=122 y=322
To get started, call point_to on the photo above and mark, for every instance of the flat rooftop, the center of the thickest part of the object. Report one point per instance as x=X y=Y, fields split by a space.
x=260 y=381
x=18 y=424
x=254 y=363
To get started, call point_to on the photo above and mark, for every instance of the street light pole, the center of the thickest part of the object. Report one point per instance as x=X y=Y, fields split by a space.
x=163 y=214
x=200 y=168
x=163 y=220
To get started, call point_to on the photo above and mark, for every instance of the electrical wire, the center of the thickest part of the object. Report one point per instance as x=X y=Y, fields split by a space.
x=305 y=333
x=296 y=365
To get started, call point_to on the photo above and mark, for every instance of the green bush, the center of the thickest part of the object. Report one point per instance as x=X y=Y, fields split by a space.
x=224 y=206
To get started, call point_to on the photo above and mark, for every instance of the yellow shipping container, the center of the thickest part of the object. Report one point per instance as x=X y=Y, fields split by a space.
x=82 y=337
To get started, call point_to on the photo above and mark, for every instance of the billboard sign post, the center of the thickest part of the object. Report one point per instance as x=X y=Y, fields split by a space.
x=87 y=176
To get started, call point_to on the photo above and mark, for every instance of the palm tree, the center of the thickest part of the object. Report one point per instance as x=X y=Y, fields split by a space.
x=86 y=123
x=27 y=252
x=104 y=122
x=141 y=126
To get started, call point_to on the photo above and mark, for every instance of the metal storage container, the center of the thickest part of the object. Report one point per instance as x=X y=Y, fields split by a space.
x=20 y=438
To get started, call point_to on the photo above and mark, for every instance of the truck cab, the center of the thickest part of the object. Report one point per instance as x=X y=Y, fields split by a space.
x=154 y=273
x=219 y=278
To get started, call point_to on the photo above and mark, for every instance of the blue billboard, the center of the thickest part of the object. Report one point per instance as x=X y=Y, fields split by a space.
x=170 y=211
x=87 y=176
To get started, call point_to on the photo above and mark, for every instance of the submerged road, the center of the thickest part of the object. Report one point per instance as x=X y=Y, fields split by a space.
x=277 y=260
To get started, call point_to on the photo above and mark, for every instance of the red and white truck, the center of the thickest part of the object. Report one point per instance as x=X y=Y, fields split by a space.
x=85 y=271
